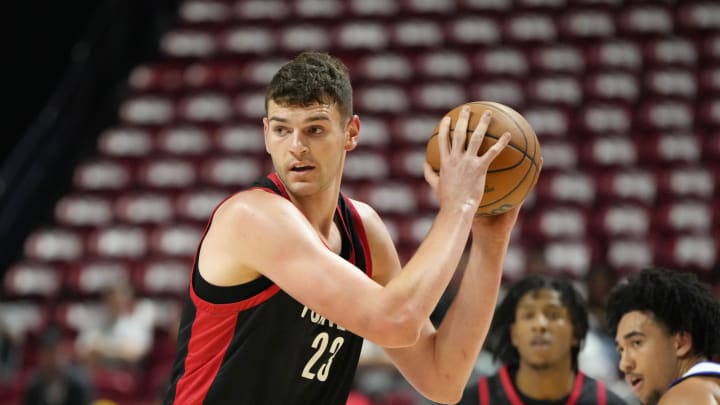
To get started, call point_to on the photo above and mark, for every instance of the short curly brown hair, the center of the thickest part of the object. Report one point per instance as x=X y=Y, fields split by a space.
x=312 y=78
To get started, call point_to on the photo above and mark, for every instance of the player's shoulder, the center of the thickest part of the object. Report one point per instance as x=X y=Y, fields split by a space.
x=254 y=201
x=697 y=390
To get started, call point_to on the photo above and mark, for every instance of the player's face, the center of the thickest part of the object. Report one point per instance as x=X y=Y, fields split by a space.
x=647 y=355
x=308 y=145
x=543 y=332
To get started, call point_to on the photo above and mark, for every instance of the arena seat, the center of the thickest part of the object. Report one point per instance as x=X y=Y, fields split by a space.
x=611 y=85
x=588 y=23
x=508 y=91
x=692 y=181
x=118 y=241
x=143 y=208
x=188 y=43
x=472 y=30
x=623 y=220
x=54 y=244
x=40 y=280
x=92 y=278
x=83 y=210
x=608 y=151
x=101 y=174
x=629 y=255
x=631 y=184
x=557 y=59
x=125 y=142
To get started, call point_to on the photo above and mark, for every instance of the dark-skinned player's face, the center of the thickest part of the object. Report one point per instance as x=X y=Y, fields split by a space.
x=542 y=331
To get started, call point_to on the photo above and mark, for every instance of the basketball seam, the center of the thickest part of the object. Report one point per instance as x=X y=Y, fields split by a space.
x=514 y=165
x=500 y=106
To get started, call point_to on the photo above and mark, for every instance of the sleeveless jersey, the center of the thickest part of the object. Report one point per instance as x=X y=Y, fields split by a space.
x=259 y=345
x=702 y=369
x=500 y=389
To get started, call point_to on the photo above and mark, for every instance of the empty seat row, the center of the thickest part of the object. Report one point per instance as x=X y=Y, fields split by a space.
x=143 y=239
x=153 y=277
x=67 y=244
x=425 y=35
x=436 y=98
x=193 y=46
x=649 y=16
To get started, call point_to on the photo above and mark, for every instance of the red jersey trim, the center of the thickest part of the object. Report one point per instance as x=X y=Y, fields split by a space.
x=484 y=391
x=514 y=399
x=508 y=387
x=363 y=236
x=276 y=180
x=201 y=367
x=577 y=389
x=601 y=394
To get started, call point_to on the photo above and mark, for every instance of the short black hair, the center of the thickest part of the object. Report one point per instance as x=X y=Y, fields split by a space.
x=499 y=342
x=311 y=78
x=678 y=301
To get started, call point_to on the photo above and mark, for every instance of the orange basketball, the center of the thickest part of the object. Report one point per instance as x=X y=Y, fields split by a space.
x=514 y=172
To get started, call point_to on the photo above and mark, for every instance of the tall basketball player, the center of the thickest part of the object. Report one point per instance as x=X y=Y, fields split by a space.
x=291 y=274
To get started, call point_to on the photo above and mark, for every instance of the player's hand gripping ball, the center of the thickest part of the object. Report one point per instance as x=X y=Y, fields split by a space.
x=514 y=172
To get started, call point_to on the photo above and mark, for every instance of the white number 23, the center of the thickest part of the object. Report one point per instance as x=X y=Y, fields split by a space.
x=321 y=344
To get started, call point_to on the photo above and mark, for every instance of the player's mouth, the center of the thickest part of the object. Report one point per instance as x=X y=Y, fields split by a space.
x=635 y=382
x=540 y=343
x=301 y=168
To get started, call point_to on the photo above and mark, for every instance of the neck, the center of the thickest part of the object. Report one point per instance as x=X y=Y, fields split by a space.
x=550 y=383
x=686 y=364
x=319 y=209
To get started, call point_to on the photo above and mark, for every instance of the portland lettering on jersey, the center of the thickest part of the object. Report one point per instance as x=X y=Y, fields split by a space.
x=318 y=319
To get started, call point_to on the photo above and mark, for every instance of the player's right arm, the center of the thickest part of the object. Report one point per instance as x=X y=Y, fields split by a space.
x=256 y=232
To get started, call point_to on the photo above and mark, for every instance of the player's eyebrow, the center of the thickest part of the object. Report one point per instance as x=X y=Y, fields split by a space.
x=631 y=334
x=316 y=117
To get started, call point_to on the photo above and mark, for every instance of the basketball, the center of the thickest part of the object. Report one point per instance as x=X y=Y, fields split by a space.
x=514 y=172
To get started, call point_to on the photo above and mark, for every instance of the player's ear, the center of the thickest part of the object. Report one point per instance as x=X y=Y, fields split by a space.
x=352 y=132
x=266 y=131
x=683 y=343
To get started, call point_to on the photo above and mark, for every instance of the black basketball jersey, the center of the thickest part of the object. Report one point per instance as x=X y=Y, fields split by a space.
x=257 y=345
x=500 y=389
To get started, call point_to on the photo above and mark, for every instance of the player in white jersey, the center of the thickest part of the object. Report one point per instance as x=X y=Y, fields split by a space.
x=667 y=329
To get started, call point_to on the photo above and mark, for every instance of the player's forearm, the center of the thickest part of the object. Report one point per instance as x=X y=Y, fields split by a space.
x=424 y=278
x=462 y=332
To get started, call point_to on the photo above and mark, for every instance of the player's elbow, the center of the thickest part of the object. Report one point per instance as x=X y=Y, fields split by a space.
x=444 y=393
x=399 y=327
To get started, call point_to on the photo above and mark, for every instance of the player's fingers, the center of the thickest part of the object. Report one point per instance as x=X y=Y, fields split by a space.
x=478 y=134
x=444 y=138
x=459 y=135
x=431 y=176
x=495 y=150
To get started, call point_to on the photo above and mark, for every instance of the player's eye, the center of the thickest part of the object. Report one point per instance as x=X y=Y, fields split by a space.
x=281 y=130
x=315 y=130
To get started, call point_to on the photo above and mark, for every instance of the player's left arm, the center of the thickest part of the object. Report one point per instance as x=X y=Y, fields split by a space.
x=693 y=391
x=439 y=365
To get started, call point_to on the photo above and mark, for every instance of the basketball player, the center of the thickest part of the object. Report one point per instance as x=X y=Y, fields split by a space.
x=291 y=274
x=537 y=332
x=667 y=328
